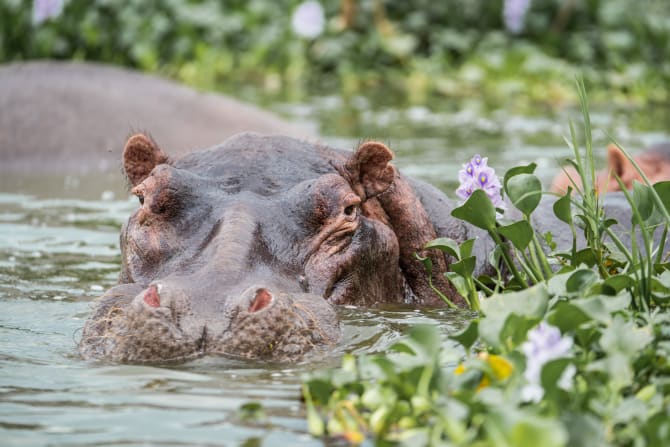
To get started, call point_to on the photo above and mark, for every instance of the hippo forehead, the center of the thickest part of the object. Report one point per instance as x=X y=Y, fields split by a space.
x=263 y=165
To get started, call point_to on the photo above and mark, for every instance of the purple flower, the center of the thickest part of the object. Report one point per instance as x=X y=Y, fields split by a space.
x=476 y=174
x=514 y=14
x=308 y=19
x=544 y=344
x=44 y=10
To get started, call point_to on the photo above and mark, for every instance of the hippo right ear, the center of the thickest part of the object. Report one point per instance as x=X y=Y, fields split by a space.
x=140 y=156
x=368 y=169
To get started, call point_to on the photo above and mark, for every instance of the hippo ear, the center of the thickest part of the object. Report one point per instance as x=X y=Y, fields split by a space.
x=616 y=161
x=368 y=169
x=140 y=156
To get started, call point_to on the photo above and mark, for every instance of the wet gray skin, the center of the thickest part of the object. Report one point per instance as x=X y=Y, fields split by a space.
x=242 y=250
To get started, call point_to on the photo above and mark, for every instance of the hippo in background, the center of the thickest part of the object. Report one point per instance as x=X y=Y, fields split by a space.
x=654 y=161
x=69 y=117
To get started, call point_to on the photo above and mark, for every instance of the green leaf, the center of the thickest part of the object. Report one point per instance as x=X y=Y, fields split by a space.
x=585 y=256
x=625 y=337
x=477 y=210
x=600 y=308
x=525 y=192
x=459 y=282
x=580 y=280
x=551 y=374
x=663 y=191
x=464 y=267
x=642 y=200
x=585 y=430
x=563 y=210
x=528 y=169
x=567 y=317
x=515 y=330
x=468 y=336
x=620 y=282
x=446 y=245
x=531 y=304
x=520 y=233
x=533 y=431
x=466 y=248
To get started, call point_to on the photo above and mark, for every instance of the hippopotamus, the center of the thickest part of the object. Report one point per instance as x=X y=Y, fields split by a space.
x=245 y=248
x=654 y=161
x=69 y=117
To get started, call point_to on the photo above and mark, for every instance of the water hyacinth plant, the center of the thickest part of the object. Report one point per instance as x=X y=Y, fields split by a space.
x=569 y=348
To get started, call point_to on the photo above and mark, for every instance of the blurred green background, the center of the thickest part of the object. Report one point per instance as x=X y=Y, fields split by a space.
x=517 y=53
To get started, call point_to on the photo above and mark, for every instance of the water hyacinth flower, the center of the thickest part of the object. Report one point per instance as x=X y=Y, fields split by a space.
x=476 y=174
x=308 y=19
x=544 y=344
x=514 y=14
x=44 y=10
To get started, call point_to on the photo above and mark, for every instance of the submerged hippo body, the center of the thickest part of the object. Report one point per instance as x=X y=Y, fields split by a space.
x=243 y=248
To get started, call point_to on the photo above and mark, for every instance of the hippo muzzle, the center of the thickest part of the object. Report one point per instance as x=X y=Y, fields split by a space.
x=162 y=325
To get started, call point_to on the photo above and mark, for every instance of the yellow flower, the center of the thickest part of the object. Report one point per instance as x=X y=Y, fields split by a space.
x=501 y=369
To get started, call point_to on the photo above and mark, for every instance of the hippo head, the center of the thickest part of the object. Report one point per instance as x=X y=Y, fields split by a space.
x=242 y=249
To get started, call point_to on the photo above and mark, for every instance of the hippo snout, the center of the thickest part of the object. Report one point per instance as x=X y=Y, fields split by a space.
x=162 y=322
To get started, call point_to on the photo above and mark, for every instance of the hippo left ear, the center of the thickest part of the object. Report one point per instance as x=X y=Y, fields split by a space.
x=368 y=169
x=140 y=156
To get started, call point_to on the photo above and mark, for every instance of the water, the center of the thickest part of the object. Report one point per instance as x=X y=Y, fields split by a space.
x=59 y=250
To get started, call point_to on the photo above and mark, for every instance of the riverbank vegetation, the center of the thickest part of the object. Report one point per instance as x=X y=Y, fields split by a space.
x=512 y=52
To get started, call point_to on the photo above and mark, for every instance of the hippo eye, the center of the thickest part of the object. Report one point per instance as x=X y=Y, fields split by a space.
x=141 y=199
x=350 y=210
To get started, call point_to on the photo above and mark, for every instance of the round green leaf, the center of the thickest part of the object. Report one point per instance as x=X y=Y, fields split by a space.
x=562 y=208
x=477 y=210
x=580 y=280
x=520 y=233
x=525 y=192
x=643 y=200
x=663 y=191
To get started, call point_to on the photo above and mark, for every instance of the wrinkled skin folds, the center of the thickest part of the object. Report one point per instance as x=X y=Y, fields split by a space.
x=243 y=249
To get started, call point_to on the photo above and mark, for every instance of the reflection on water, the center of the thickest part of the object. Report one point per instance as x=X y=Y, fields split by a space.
x=59 y=250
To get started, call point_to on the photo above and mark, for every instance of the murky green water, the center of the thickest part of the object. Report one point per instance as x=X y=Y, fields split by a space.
x=59 y=250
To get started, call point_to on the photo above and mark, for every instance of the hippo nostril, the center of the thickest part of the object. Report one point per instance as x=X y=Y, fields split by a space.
x=262 y=300
x=151 y=296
